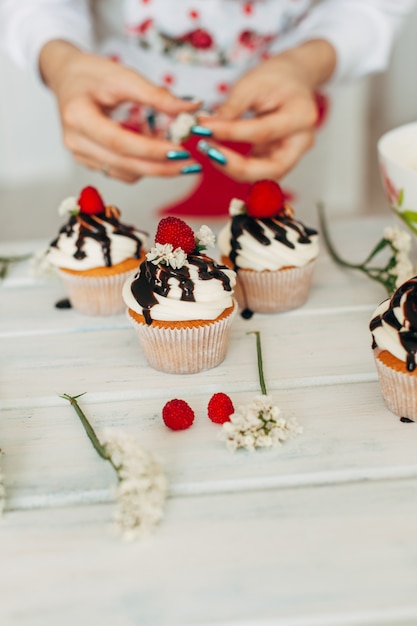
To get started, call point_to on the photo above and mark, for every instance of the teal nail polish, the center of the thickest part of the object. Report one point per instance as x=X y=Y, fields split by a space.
x=203 y=146
x=201 y=130
x=216 y=155
x=212 y=153
x=177 y=155
x=191 y=169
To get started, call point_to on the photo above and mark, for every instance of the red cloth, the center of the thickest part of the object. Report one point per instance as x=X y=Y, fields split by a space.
x=213 y=190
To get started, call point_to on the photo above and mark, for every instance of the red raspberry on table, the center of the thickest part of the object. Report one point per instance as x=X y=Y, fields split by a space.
x=177 y=414
x=176 y=232
x=220 y=408
x=265 y=199
x=90 y=201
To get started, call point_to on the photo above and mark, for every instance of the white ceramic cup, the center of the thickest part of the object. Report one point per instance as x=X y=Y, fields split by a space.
x=397 y=154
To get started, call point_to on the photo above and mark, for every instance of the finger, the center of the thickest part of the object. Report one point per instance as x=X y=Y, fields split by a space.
x=281 y=158
x=98 y=156
x=292 y=117
x=86 y=118
x=129 y=85
x=239 y=100
x=112 y=173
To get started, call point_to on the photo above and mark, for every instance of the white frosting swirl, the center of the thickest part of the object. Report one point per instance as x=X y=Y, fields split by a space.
x=390 y=327
x=62 y=251
x=210 y=296
x=254 y=255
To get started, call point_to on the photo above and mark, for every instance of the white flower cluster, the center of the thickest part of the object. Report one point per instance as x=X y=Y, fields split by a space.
x=205 y=237
x=69 y=206
x=401 y=242
x=40 y=266
x=142 y=488
x=258 y=425
x=236 y=207
x=164 y=253
x=180 y=128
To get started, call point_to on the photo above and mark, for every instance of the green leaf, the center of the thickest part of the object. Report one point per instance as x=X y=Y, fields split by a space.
x=400 y=198
x=410 y=215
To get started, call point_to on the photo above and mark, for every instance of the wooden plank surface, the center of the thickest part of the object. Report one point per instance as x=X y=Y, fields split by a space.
x=298 y=557
x=348 y=436
x=316 y=533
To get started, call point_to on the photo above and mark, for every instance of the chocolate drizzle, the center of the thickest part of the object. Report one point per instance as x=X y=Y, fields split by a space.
x=94 y=227
x=408 y=333
x=280 y=225
x=154 y=279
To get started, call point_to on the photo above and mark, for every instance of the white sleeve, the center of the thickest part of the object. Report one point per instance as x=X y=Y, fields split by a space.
x=27 y=25
x=361 y=31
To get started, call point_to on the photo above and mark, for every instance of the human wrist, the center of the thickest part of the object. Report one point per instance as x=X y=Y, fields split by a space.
x=54 y=55
x=314 y=60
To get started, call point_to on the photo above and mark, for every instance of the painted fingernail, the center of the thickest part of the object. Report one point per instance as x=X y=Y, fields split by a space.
x=201 y=130
x=191 y=169
x=191 y=99
x=177 y=155
x=150 y=118
x=212 y=153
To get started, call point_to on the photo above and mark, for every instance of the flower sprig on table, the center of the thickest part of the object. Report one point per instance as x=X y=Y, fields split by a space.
x=7 y=261
x=397 y=268
x=259 y=424
x=142 y=485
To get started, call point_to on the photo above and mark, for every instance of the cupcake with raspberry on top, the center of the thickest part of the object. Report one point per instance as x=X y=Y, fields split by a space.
x=94 y=253
x=181 y=303
x=272 y=253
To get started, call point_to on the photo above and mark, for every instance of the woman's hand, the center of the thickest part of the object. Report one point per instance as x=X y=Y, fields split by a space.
x=88 y=88
x=280 y=96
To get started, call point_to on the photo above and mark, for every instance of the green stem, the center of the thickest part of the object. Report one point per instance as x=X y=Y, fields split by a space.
x=99 y=448
x=5 y=261
x=329 y=245
x=373 y=273
x=260 y=364
x=14 y=259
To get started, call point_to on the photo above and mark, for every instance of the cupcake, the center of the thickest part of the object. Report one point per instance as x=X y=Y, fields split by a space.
x=272 y=253
x=94 y=253
x=394 y=342
x=181 y=303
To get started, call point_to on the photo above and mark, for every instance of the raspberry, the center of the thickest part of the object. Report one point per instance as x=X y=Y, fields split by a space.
x=220 y=408
x=90 y=201
x=176 y=232
x=265 y=199
x=177 y=415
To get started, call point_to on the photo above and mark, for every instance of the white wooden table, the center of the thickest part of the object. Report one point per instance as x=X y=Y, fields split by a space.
x=321 y=531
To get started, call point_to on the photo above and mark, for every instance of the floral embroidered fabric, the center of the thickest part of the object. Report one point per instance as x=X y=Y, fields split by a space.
x=217 y=40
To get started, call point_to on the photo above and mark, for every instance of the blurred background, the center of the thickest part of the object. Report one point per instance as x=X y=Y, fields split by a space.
x=36 y=172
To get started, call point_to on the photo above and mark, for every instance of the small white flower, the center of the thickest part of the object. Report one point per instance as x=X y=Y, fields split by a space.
x=400 y=239
x=69 y=206
x=403 y=270
x=205 y=237
x=165 y=254
x=40 y=266
x=401 y=243
x=236 y=207
x=180 y=128
x=142 y=487
x=258 y=425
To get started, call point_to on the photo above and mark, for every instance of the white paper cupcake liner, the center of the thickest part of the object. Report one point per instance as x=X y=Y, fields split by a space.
x=100 y=295
x=274 y=291
x=399 y=390
x=185 y=350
